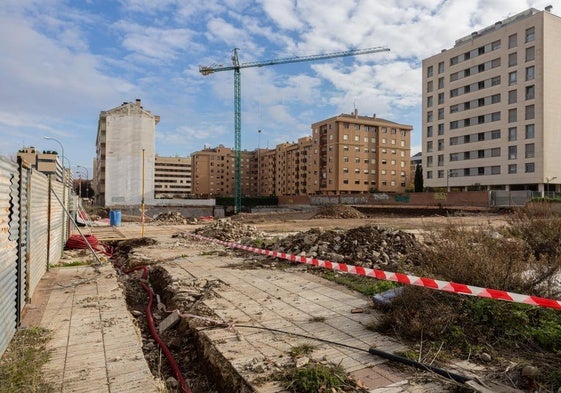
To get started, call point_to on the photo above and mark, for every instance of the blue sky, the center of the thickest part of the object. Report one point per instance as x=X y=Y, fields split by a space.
x=62 y=62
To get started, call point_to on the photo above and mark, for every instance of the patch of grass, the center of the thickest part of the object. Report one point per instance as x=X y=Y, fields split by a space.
x=302 y=349
x=20 y=366
x=75 y=263
x=365 y=285
x=315 y=377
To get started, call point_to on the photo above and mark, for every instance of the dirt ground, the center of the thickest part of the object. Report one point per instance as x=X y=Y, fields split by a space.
x=297 y=222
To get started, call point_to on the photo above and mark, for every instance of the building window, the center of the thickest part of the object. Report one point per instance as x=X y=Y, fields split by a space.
x=530 y=73
x=441 y=174
x=440 y=160
x=512 y=78
x=429 y=161
x=441 y=129
x=345 y=137
x=429 y=71
x=530 y=131
x=512 y=168
x=512 y=97
x=530 y=92
x=512 y=59
x=357 y=138
x=441 y=67
x=512 y=41
x=345 y=170
x=512 y=152
x=345 y=159
x=529 y=167
x=441 y=114
x=441 y=83
x=440 y=98
x=530 y=112
x=429 y=174
x=345 y=148
x=529 y=150
x=429 y=86
x=531 y=53
x=429 y=101
x=429 y=116
x=496 y=45
x=429 y=131
x=441 y=144
x=530 y=34
x=512 y=134
x=512 y=115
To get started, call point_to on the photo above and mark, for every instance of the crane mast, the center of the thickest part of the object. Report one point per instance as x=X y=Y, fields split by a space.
x=236 y=67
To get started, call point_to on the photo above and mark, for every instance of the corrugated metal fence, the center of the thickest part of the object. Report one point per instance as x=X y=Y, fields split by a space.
x=33 y=231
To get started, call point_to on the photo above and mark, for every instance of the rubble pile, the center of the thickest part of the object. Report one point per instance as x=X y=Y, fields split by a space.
x=228 y=230
x=338 y=211
x=368 y=246
x=173 y=218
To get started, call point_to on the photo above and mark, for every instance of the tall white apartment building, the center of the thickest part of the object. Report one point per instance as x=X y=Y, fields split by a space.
x=492 y=107
x=125 y=154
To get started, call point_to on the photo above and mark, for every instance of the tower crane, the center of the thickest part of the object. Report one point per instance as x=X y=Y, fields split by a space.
x=236 y=67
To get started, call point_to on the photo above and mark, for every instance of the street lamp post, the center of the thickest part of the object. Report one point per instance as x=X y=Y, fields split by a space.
x=87 y=180
x=62 y=150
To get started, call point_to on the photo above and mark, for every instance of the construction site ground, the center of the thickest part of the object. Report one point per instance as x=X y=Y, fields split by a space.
x=269 y=308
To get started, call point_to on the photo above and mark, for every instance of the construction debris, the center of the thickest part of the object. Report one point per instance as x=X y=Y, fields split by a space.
x=170 y=217
x=368 y=246
x=338 y=211
x=228 y=230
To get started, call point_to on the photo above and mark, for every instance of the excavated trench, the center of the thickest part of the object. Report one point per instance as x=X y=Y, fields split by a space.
x=202 y=366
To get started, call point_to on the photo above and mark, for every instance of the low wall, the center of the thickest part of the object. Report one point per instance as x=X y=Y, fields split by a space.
x=430 y=199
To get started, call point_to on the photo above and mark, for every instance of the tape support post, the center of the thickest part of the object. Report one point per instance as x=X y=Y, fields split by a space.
x=439 y=285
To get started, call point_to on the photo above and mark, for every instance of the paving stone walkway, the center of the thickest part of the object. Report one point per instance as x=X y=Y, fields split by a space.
x=95 y=346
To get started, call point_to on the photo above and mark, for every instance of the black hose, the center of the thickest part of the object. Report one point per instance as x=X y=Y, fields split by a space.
x=421 y=366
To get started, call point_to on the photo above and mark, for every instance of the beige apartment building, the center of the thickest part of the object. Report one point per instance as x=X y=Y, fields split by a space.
x=358 y=154
x=47 y=162
x=125 y=155
x=491 y=107
x=172 y=177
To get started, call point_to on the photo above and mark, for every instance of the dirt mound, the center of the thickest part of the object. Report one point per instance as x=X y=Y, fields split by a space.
x=338 y=211
x=369 y=246
x=228 y=230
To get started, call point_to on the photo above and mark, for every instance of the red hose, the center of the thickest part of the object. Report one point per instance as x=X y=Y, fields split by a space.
x=175 y=367
x=77 y=242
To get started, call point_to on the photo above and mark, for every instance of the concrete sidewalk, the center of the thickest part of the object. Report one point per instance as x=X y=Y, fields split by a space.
x=95 y=344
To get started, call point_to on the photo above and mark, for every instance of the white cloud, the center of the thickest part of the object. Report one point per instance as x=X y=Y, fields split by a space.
x=152 y=43
x=283 y=13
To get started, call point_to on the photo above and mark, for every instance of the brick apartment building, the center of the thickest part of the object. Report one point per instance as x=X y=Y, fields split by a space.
x=491 y=107
x=358 y=154
x=345 y=154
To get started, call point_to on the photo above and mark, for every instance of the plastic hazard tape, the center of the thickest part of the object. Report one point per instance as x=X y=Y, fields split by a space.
x=446 y=286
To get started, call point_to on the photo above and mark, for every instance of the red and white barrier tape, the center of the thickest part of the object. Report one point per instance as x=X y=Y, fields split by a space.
x=446 y=286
